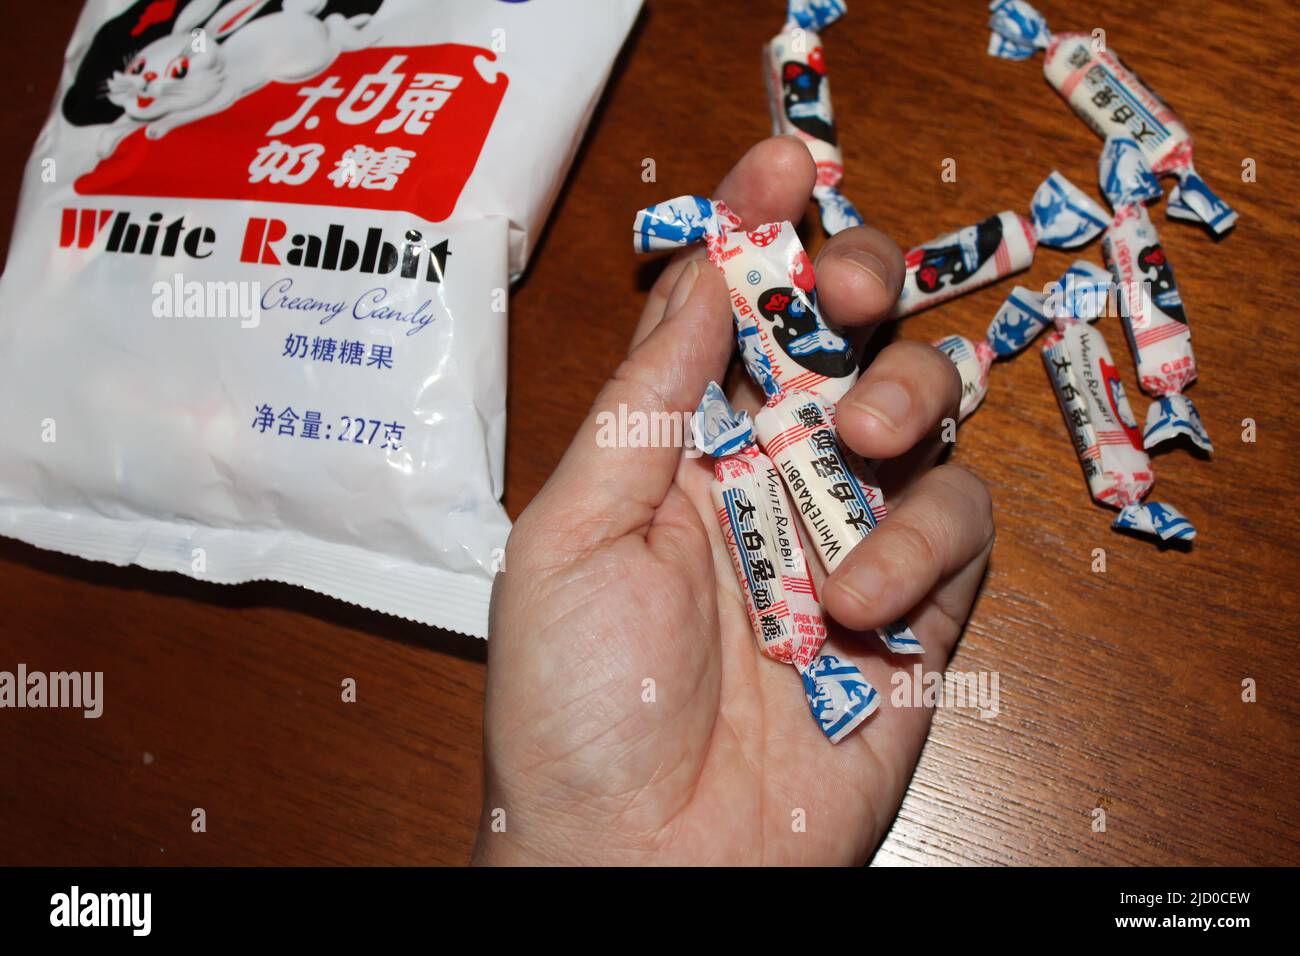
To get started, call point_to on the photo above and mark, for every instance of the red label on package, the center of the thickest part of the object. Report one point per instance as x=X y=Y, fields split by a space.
x=393 y=128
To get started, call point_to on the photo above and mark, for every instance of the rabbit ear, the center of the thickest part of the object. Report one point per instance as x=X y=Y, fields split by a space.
x=232 y=16
x=195 y=12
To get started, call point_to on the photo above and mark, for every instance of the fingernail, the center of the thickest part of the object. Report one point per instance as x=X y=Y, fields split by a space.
x=861 y=259
x=864 y=585
x=682 y=289
x=887 y=401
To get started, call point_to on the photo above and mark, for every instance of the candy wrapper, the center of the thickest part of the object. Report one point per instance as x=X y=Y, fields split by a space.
x=1061 y=216
x=1113 y=101
x=768 y=557
x=1150 y=306
x=790 y=351
x=1081 y=293
x=1097 y=413
x=784 y=340
x=835 y=494
x=799 y=97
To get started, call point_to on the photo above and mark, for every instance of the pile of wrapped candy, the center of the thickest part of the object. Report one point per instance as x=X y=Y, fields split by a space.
x=1143 y=139
x=789 y=460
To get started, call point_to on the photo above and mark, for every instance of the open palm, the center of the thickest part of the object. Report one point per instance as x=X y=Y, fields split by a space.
x=631 y=717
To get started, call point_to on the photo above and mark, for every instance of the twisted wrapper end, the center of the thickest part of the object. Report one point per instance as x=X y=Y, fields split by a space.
x=839 y=697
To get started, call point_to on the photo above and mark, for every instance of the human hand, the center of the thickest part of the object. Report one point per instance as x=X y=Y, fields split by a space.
x=616 y=574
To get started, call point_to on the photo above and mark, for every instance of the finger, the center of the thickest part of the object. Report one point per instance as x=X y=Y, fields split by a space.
x=898 y=476
x=859 y=276
x=940 y=617
x=944 y=525
x=772 y=182
x=610 y=483
x=903 y=396
x=656 y=303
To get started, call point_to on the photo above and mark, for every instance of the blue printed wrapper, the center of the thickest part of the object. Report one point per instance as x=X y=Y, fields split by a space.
x=1017 y=30
x=1081 y=293
x=837 y=213
x=783 y=337
x=681 y=222
x=1192 y=200
x=816 y=364
x=1104 y=432
x=799 y=99
x=1174 y=416
x=898 y=637
x=1064 y=216
x=1061 y=216
x=838 y=696
x=838 y=499
x=1125 y=175
x=814 y=14
x=1155 y=519
x=718 y=428
x=756 y=362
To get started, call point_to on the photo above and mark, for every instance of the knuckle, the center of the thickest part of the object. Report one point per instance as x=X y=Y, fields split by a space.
x=634 y=387
x=972 y=493
x=919 y=548
x=928 y=373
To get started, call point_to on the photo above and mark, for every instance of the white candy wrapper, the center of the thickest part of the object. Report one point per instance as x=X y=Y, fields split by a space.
x=784 y=340
x=253 y=323
x=801 y=362
x=1113 y=101
x=1154 y=317
x=1105 y=435
x=1061 y=216
x=833 y=490
x=799 y=99
x=771 y=569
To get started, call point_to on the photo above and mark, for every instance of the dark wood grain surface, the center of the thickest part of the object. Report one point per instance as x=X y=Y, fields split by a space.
x=1120 y=690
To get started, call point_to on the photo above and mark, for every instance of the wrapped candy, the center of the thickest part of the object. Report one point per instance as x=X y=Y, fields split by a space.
x=783 y=338
x=788 y=348
x=1061 y=216
x=1105 y=433
x=1082 y=293
x=1113 y=101
x=1088 y=388
x=770 y=566
x=1151 y=308
x=835 y=494
x=799 y=97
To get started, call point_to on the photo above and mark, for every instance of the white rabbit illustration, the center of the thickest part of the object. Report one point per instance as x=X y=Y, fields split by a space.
x=189 y=74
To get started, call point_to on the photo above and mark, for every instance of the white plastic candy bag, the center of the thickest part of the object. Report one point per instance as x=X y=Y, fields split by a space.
x=253 y=322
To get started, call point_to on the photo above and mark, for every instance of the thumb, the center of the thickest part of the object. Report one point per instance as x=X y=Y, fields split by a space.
x=621 y=463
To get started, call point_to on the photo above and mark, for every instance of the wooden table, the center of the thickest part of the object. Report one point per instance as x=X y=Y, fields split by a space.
x=1120 y=690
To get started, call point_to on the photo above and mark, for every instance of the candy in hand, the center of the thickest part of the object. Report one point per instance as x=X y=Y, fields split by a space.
x=768 y=557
